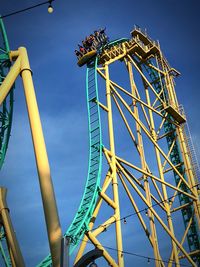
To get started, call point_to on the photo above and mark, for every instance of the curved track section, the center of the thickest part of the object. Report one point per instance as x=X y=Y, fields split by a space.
x=6 y=112
x=86 y=208
x=6 y=109
x=82 y=218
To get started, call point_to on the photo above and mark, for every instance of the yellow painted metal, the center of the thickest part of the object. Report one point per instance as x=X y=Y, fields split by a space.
x=84 y=59
x=136 y=209
x=114 y=170
x=172 y=97
x=11 y=239
x=136 y=144
x=119 y=168
x=151 y=238
x=160 y=169
x=190 y=174
x=182 y=207
x=185 y=152
x=113 y=85
x=106 y=255
x=143 y=165
x=145 y=79
x=21 y=66
x=108 y=200
x=158 y=218
x=12 y=259
x=196 y=252
x=106 y=183
x=153 y=141
x=13 y=55
x=115 y=54
x=127 y=125
x=104 y=226
x=103 y=106
x=46 y=186
x=9 y=80
x=182 y=241
x=156 y=178
x=149 y=183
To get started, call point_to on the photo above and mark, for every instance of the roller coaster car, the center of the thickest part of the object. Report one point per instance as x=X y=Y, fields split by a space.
x=86 y=58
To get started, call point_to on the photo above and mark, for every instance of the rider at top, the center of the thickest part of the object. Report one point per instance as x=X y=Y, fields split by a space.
x=92 y=42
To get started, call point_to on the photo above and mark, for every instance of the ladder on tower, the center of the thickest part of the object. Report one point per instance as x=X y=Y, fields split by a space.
x=83 y=216
x=92 y=188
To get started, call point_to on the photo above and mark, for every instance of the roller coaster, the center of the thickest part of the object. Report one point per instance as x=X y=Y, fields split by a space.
x=139 y=146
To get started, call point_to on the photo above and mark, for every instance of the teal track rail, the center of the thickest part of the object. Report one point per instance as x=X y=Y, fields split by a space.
x=6 y=109
x=116 y=42
x=83 y=216
x=176 y=158
x=4 y=249
x=113 y=43
x=6 y=113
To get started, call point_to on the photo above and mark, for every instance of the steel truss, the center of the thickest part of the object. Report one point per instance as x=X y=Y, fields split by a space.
x=159 y=174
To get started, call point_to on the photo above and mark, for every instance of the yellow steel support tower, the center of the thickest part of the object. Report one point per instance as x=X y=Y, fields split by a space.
x=21 y=67
x=147 y=157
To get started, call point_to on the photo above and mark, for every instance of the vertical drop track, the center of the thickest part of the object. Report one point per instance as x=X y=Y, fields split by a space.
x=82 y=218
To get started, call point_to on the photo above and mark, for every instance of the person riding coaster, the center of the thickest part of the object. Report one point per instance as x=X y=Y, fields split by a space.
x=92 y=43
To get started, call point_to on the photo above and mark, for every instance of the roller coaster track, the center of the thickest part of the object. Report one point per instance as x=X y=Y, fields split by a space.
x=82 y=218
x=119 y=49
x=142 y=49
x=6 y=110
x=6 y=114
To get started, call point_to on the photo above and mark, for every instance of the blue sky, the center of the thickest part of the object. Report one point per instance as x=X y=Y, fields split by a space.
x=60 y=87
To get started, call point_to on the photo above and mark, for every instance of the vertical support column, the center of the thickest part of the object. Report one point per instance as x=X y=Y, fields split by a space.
x=9 y=80
x=15 y=252
x=171 y=91
x=11 y=257
x=143 y=164
x=114 y=170
x=46 y=186
x=169 y=83
x=166 y=204
x=65 y=244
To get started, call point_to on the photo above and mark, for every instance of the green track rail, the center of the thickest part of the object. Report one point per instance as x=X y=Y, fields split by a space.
x=6 y=109
x=113 y=43
x=6 y=113
x=176 y=158
x=83 y=216
x=4 y=249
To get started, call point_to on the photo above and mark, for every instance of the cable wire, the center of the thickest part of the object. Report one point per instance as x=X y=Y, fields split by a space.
x=142 y=210
x=26 y=9
x=137 y=255
x=132 y=253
